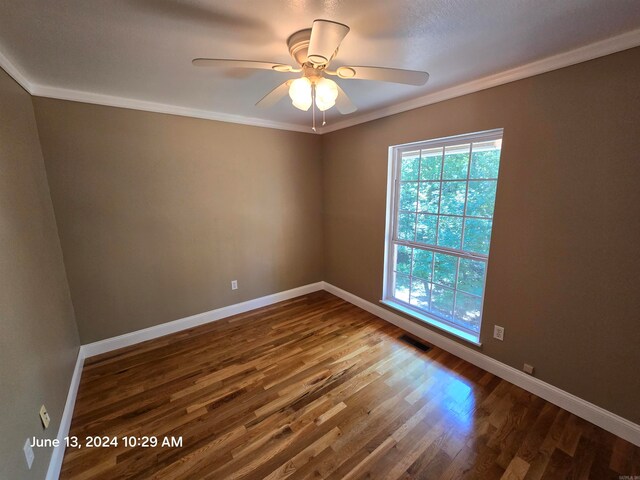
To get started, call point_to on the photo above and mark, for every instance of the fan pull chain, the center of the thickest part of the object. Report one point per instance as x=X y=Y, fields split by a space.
x=313 y=106
x=324 y=121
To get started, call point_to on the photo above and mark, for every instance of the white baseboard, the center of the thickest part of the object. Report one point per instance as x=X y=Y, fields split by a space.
x=590 y=412
x=55 y=464
x=109 y=344
x=114 y=343
x=583 y=409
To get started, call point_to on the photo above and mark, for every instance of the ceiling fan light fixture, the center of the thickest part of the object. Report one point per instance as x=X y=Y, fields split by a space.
x=326 y=94
x=300 y=93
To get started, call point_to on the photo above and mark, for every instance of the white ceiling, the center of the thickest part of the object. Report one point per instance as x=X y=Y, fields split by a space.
x=142 y=49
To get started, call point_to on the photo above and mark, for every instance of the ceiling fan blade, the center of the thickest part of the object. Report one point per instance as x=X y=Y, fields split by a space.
x=275 y=95
x=344 y=103
x=393 y=75
x=326 y=37
x=228 y=63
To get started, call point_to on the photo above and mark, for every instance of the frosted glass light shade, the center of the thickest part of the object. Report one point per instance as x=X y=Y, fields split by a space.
x=326 y=94
x=300 y=93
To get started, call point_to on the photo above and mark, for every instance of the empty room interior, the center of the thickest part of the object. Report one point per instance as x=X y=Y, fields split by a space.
x=328 y=239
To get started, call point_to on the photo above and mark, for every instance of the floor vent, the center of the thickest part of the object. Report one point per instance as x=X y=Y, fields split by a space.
x=415 y=342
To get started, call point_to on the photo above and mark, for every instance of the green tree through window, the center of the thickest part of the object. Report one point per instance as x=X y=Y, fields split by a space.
x=443 y=203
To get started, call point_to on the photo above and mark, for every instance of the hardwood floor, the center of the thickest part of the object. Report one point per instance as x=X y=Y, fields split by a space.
x=317 y=388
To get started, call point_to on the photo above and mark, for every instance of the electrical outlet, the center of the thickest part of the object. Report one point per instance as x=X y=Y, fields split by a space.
x=498 y=332
x=44 y=416
x=234 y=284
x=28 y=453
x=528 y=369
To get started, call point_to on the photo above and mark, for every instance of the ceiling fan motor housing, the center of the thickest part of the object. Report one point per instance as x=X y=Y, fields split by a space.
x=298 y=44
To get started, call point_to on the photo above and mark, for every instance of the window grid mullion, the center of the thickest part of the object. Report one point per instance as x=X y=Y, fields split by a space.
x=445 y=250
x=440 y=196
x=396 y=206
x=464 y=211
x=430 y=283
x=449 y=215
x=449 y=180
x=433 y=256
x=415 y=226
x=415 y=231
x=466 y=197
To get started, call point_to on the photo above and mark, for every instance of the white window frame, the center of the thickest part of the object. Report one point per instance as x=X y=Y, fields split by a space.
x=393 y=196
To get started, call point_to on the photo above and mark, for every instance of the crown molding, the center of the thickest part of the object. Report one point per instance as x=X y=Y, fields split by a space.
x=38 y=90
x=15 y=73
x=121 y=102
x=588 y=52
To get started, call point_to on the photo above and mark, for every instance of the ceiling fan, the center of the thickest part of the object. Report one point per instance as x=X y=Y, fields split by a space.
x=313 y=49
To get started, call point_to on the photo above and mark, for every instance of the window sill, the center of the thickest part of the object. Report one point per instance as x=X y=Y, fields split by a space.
x=466 y=336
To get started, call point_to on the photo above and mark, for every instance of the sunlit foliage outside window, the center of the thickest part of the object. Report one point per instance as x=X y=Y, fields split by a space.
x=443 y=214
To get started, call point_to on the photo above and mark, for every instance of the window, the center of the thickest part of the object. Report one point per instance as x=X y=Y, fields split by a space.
x=441 y=198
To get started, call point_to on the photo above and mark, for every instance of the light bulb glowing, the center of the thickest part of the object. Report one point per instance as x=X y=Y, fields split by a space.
x=326 y=94
x=300 y=93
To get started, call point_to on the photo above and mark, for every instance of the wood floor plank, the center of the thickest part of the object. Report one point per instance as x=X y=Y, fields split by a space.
x=315 y=387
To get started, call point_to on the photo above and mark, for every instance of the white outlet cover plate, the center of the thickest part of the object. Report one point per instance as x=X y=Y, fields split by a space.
x=498 y=332
x=28 y=453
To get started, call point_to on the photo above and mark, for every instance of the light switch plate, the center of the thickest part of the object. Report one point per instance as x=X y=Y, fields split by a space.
x=44 y=416
x=28 y=453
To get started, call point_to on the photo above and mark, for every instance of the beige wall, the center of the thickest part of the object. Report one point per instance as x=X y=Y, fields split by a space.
x=38 y=337
x=158 y=213
x=564 y=269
